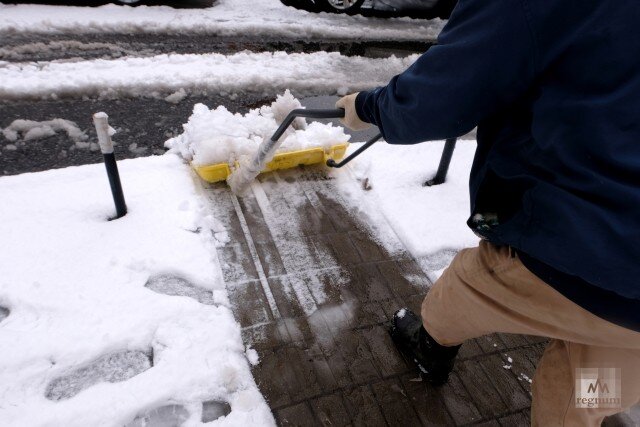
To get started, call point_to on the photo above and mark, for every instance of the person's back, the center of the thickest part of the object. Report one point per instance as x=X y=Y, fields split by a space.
x=554 y=89
x=573 y=140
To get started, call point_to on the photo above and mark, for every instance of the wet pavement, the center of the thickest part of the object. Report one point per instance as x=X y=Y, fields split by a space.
x=313 y=290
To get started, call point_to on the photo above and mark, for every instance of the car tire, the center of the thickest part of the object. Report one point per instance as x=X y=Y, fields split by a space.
x=308 y=5
x=349 y=7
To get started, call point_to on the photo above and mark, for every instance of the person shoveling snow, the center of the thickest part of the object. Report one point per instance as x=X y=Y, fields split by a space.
x=555 y=193
x=219 y=137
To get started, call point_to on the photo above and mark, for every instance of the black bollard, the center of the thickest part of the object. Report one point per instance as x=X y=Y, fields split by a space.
x=101 y=122
x=443 y=167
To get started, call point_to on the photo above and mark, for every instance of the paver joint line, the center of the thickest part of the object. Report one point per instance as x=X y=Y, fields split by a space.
x=256 y=258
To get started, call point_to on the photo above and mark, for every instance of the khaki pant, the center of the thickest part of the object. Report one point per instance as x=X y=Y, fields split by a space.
x=487 y=290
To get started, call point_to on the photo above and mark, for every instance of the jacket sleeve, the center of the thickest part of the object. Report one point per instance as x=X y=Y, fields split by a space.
x=485 y=59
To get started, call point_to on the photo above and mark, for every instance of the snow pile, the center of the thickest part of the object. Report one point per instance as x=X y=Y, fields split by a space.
x=218 y=136
x=29 y=130
x=268 y=19
x=179 y=75
x=177 y=96
x=430 y=221
x=112 y=322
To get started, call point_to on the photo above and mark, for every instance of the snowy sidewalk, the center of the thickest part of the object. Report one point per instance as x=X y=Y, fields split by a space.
x=127 y=322
x=313 y=290
x=113 y=323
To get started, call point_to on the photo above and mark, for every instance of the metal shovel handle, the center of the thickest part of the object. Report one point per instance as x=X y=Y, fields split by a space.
x=333 y=164
x=336 y=113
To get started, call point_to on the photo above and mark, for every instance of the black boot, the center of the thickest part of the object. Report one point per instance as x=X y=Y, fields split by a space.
x=434 y=360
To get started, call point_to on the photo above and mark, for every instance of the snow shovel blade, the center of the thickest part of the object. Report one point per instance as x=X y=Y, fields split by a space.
x=247 y=170
x=309 y=156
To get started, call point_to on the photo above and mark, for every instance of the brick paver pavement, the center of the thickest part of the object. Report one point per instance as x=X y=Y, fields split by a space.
x=313 y=290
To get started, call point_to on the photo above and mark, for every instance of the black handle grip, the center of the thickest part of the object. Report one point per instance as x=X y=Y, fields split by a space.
x=333 y=164
x=337 y=113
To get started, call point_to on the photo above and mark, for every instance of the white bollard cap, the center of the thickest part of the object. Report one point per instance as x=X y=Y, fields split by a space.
x=101 y=122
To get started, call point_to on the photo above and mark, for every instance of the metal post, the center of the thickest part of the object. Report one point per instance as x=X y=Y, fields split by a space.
x=101 y=122
x=445 y=160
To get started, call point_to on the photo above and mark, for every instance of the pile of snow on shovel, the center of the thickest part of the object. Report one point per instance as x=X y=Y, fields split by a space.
x=219 y=136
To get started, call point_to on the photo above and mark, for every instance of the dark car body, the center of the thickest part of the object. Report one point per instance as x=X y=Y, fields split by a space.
x=426 y=9
x=413 y=8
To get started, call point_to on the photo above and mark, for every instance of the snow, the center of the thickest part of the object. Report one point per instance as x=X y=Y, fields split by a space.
x=109 y=368
x=29 y=130
x=525 y=377
x=177 y=96
x=264 y=18
x=266 y=72
x=133 y=147
x=252 y=356
x=218 y=136
x=168 y=415
x=401 y=313
x=116 y=322
x=509 y=364
x=212 y=410
x=429 y=221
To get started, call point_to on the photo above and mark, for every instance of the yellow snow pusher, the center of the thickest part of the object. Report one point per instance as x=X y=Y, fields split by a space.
x=240 y=175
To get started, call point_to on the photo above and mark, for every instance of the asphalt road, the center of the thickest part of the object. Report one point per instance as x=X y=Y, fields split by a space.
x=143 y=124
x=49 y=47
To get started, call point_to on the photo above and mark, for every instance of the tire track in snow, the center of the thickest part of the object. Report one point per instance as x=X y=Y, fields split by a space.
x=78 y=47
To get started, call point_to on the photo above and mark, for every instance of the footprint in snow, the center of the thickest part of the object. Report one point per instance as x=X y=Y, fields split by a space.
x=172 y=285
x=4 y=313
x=214 y=409
x=113 y=368
x=163 y=416
x=175 y=415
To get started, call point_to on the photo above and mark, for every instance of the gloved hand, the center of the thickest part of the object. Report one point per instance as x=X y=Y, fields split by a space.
x=351 y=119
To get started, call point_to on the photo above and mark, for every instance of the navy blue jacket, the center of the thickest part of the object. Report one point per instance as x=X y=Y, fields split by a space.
x=554 y=88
